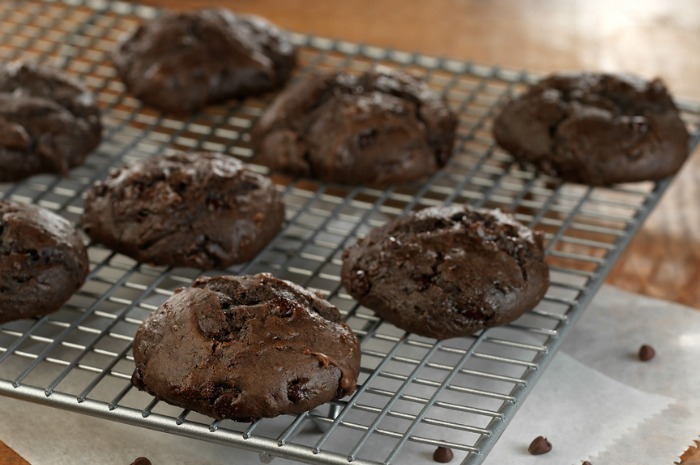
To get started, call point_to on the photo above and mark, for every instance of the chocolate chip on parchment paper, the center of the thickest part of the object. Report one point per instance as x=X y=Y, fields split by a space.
x=540 y=445
x=646 y=353
x=141 y=461
x=443 y=454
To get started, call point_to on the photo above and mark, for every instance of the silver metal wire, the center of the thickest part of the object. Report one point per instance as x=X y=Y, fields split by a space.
x=414 y=393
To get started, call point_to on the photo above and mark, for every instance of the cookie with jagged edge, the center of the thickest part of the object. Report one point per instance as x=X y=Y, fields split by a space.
x=382 y=127
x=180 y=62
x=448 y=271
x=595 y=128
x=43 y=261
x=203 y=210
x=49 y=121
x=246 y=347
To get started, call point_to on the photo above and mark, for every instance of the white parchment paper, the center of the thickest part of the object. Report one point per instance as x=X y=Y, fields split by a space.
x=579 y=410
x=596 y=402
x=619 y=410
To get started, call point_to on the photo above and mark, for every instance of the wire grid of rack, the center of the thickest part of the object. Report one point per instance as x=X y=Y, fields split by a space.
x=414 y=393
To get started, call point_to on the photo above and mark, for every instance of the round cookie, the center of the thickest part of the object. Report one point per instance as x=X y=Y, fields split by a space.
x=245 y=347
x=376 y=129
x=595 y=129
x=43 y=261
x=451 y=271
x=49 y=121
x=182 y=61
x=203 y=210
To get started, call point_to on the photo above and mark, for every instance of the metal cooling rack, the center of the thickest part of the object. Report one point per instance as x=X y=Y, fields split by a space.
x=414 y=393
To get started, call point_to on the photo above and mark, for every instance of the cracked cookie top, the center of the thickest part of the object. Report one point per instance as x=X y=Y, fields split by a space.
x=379 y=128
x=203 y=210
x=448 y=271
x=181 y=61
x=245 y=347
x=596 y=129
x=49 y=121
x=43 y=261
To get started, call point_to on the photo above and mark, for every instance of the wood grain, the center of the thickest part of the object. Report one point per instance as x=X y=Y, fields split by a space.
x=647 y=37
x=691 y=456
x=9 y=456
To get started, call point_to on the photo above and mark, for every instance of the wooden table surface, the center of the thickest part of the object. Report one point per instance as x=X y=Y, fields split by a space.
x=650 y=38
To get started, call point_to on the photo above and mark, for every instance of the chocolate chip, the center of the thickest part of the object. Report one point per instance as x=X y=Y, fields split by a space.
x=141 y=461
x=586 y=463
x=366 y=138
x=223 y=399
x=137 y=379
x=360 y=283
x=638 y=124
x=296 y=390
x=443 y=454
x=540 y=445
x=284 y=307
x=646 y=353
x=215 y=202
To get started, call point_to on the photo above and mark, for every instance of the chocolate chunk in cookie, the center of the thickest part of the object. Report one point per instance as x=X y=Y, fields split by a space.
x=380 y=128
x=183 y=61
x=245 y=347
x=448 y=271
x=49 y=121
x=595 y=129
x=203 y=210
x=43 y=261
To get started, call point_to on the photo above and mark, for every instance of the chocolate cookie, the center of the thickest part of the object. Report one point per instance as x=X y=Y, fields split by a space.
x=244 y=347
x=43 y=261
x=204 y=210
x=448 y=271
x=595 y=129
x=49 y=121
x=180 y=62
x=380 y=128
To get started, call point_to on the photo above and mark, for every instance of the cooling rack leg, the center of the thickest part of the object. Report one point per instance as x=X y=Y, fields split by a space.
x=333 y=412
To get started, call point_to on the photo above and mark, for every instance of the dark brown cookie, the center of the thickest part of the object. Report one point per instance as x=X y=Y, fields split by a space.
x=596 y=129
x=244 y=347
x=448 y=271
x=203 y=210
x=380 y=128
x=49 y=121
x=43 y=261
x=182 y=61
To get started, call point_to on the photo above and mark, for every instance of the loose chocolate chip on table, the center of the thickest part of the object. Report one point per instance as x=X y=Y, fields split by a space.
x=141 y=461
x=540 y=445
x=586 y=463
x=443 y=454
x=646 y=353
